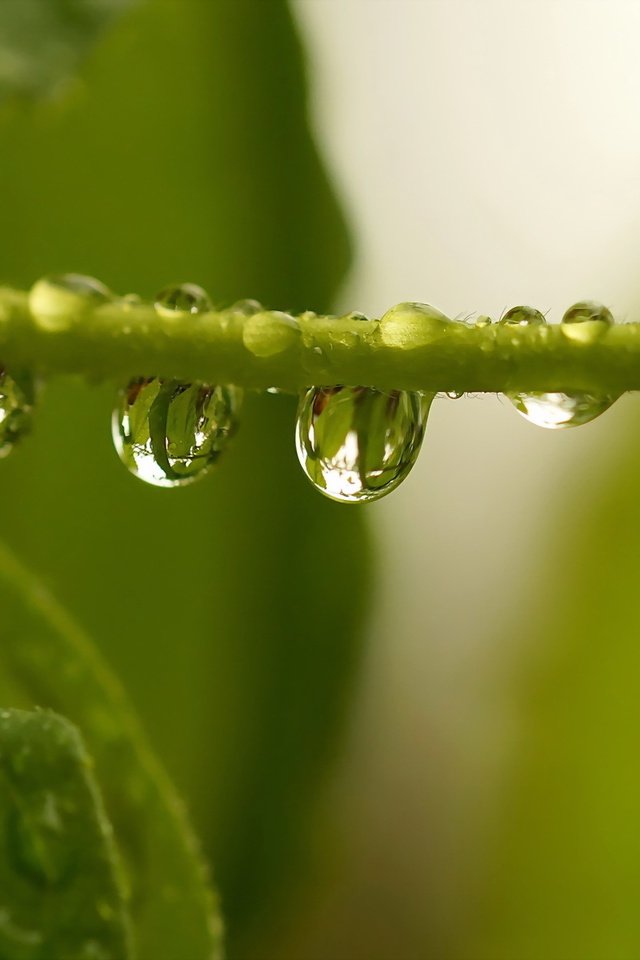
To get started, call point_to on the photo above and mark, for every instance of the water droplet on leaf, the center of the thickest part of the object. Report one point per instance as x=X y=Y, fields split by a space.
x=16 y=409
x=169 y=433
x=454 y=394
x=586 y=321
x=356 y=443
x=57 y=302
x=182 y=298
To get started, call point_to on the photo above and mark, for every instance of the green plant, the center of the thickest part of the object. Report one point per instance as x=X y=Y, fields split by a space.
x=233 y=611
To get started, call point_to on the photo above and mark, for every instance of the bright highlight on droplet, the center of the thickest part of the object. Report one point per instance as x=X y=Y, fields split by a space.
x=357 y=444
x=557 y=411
x=58 y=302
x=169 y=433
x=16 y=409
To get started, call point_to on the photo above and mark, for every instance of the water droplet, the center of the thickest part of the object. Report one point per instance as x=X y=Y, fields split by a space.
x=357 y=315
x=170 y=433
x=247 y=307
x=454 y=394
x=269 y=333
x=130 y=300
x=556 y=411
x=410 y=325
x=586 y=321
x=58 y=302
x=483 y=322
x=357 y=444
x=523 y=317
x=182 y=298
x=17 y=395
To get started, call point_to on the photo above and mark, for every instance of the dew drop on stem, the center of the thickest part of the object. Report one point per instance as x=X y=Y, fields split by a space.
x=58 y=302
x=183 y=298
x=586 y=321
x=555 y=410
x=170 y=432
x=356 y=444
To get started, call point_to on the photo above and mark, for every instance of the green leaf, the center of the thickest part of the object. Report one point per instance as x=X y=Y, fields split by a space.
x=172 y=907
x=60 y=877
x=42 y=41
x=560 y=871
x=185 y=154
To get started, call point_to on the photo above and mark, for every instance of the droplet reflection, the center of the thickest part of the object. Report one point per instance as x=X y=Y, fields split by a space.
x=357 y=444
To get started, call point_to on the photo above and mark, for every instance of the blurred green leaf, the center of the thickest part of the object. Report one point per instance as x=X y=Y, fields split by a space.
x=61 y=882
x=560 y=869
x=42 y=41
x=172 y=907
x=184 y=154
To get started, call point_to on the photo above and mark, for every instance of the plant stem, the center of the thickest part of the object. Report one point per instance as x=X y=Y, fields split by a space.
x=417 y=349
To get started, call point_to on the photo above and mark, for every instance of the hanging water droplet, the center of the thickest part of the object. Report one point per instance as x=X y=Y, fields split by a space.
x=556 y=411
x=16 y=409
x=454 y=394
x=57 y=302
x=356 y=443
x=523 y=317
x=182 y=298
x=586 y=321
x=170 y=433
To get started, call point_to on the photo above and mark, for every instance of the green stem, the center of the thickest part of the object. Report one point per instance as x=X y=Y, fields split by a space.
x=411 y=348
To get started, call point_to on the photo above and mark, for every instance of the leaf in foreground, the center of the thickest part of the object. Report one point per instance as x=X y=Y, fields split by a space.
x=173 y=911
x=61 y=885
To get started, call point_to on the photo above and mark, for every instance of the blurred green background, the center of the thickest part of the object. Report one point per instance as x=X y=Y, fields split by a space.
x=435 y=756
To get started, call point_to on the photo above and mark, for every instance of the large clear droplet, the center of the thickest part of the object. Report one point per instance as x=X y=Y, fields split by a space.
x=16 y=409
x=170 y=433
x=357 y=444
x=554 y=411
x=57 y=302
x=183 y=298
x=586 y=321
